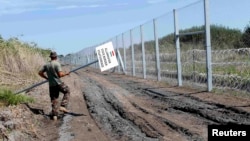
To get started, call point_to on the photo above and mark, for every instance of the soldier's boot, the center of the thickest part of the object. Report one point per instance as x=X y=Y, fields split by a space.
x=55 y=118
x=63 y=109
x=55 y=109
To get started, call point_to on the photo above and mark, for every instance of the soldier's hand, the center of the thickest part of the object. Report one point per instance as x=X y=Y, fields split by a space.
x=68 y=73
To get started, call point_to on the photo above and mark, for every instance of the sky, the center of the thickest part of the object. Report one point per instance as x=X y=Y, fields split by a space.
x=68 y=26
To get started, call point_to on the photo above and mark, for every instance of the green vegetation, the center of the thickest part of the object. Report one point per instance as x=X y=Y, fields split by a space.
x=221 y=37
x=230 y=55
x=245 y=39
x=20 y=62
x=7 y=97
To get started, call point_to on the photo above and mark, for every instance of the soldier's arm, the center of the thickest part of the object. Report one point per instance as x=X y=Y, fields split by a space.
x=43 y=75
x=62 y=74
x=59 y=71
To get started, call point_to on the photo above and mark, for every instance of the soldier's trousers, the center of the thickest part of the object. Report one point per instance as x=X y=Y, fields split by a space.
x=54 y=95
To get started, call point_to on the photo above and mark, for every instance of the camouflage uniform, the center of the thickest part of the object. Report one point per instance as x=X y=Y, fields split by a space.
x=55 y=86
x=54 y=94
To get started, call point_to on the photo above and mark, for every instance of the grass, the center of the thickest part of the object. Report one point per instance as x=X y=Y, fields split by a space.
x=230 y=92
x=7 y=98
x=20 y=63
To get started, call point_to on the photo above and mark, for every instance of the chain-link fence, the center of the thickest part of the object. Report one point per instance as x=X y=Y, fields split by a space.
x=230 y=60
x=176 y=48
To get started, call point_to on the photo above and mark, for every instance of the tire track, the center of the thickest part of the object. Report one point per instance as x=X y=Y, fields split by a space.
x=217 y=113
x=156 y=113
x=106 y=110
x=214 y=112
x=184 y=131
x=208 y=112
x=150 y=124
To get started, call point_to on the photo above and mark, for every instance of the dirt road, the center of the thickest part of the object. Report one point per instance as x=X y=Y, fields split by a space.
x=115 y=107
x=136 y=109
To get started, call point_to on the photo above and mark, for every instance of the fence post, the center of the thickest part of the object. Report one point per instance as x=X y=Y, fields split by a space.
x=177 y=44
x=143 y=53
x=124 y=53
x=116 y=46
x=208 y=45
x=87 y=58
x=157 y=54
x=133 y=53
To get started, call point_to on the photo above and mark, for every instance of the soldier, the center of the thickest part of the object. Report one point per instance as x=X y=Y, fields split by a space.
x=54 y=72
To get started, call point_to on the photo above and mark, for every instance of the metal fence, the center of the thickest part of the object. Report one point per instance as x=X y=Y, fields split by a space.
x=163 y=50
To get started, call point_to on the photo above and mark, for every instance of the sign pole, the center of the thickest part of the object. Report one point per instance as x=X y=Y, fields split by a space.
x=45 y=81
x=106 y=58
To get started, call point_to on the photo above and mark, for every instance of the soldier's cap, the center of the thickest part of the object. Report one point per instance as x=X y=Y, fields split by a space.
x=53 y=54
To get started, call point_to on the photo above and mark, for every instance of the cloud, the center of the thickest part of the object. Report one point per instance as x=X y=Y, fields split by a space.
x=22 y=6
x=17 y=10
x=121 y=4
x=78 y=6
x=154 y=1
x=18 y=6
x=67 y=7
x=94 y=5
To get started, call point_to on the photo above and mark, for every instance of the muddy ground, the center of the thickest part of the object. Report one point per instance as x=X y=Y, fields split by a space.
x=115 y=107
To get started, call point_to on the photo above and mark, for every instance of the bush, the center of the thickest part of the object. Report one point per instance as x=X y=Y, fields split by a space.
x=20 y=62
x=7 y=97
x=246 y=36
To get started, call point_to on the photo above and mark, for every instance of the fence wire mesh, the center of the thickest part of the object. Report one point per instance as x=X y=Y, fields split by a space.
x=230 y=65
x=230 y=61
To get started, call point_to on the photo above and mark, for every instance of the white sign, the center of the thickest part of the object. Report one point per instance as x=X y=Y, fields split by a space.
x=106 y=56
